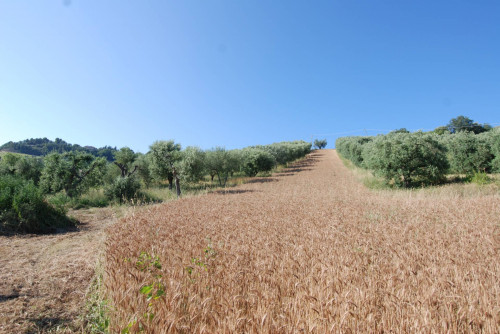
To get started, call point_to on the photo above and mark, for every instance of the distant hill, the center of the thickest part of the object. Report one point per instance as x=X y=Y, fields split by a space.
x=44 y=146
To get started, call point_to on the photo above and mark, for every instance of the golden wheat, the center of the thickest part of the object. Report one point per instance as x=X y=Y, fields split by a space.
x=307 y=250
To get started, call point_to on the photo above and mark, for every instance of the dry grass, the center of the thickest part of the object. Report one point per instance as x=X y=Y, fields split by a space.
x=312 y=251
x=44 y=278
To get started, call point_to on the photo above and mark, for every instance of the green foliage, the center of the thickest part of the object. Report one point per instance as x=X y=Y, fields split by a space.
x=480 y=178
x=165 y=156
x=72 y=172
x=27 y=167
x=494 y=140
x=23 y=209
x=285 y=152
x=44 y=146
x=30 y=168
x=351 y=148
x=462 y=123
x=401 y=130
x=193 y=164
x=222 y=163
x=124 y=160
x=468 y=153
x=320 y=143
x=441 y=130
x=93 y=198
x=123 y=189
x=407 y=159
x=143 y=163
x=256 y=160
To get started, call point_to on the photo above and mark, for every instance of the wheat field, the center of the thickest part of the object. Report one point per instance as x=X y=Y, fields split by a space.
x=308 y=250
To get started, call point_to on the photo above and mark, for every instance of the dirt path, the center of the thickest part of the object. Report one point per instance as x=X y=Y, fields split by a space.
x=308 y=250
x=43 y=279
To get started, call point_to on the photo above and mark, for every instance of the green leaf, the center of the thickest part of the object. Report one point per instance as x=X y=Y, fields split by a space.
x=146 y=290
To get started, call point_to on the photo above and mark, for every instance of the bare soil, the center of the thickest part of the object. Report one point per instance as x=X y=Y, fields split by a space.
x=44 y=278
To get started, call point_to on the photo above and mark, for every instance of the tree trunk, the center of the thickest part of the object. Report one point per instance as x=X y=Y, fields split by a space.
x=177 y=182
x=170 y=179
x=178 y=187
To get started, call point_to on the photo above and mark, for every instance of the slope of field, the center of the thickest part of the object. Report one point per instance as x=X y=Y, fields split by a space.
x=308 y=250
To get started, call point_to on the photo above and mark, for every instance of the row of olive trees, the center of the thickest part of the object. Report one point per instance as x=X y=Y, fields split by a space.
x=168 y=162
x=414 y=159
x=75 y=172
x=26 y=180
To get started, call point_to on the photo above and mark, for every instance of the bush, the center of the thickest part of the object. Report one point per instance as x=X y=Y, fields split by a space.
x=351 y=148
x=408 y=159
x=494 y=140
x=94 y=198
x=469 y=153
x=480 y=178
x=123 y=189
x=23 y=209
x=256 y=160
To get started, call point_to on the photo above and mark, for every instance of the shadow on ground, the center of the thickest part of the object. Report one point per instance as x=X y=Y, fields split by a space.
x=262 y=180
x=232 y=191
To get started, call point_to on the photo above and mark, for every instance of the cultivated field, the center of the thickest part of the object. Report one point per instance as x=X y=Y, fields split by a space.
x=308 y=250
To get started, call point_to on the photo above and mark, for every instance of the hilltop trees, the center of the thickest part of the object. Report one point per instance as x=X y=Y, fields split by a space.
x=320 y=143
x=462 y=123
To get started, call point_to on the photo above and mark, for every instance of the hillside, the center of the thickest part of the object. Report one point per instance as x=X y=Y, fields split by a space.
x=44 y=146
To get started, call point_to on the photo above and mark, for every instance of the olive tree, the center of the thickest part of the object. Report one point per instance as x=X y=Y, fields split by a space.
x=494 y=139
x=469 y=153
x=73 y=172
x=124 y=160
x=408 y=159
x=27 y=167
x=165 y=157
x=320 y=143
x=351 y=148
x=193 y=164
x=255 y=160
x=143 y=163
x=462 y=123
x=222 y=163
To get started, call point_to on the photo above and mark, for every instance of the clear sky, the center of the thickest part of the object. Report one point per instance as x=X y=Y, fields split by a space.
x=243 y=72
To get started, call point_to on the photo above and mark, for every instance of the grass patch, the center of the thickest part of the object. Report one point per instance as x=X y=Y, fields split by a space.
x=96 y=319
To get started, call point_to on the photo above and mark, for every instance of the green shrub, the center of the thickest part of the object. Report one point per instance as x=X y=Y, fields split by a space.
x=256 y=160
x=123 y=189
x=407 y=159
x=94 y=198
x=469 y=153
x=23 y=209
x=480 y=178
x=60 y=201
x=351 y=148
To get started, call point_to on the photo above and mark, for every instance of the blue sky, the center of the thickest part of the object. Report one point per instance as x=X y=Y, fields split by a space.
x=238 y=73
